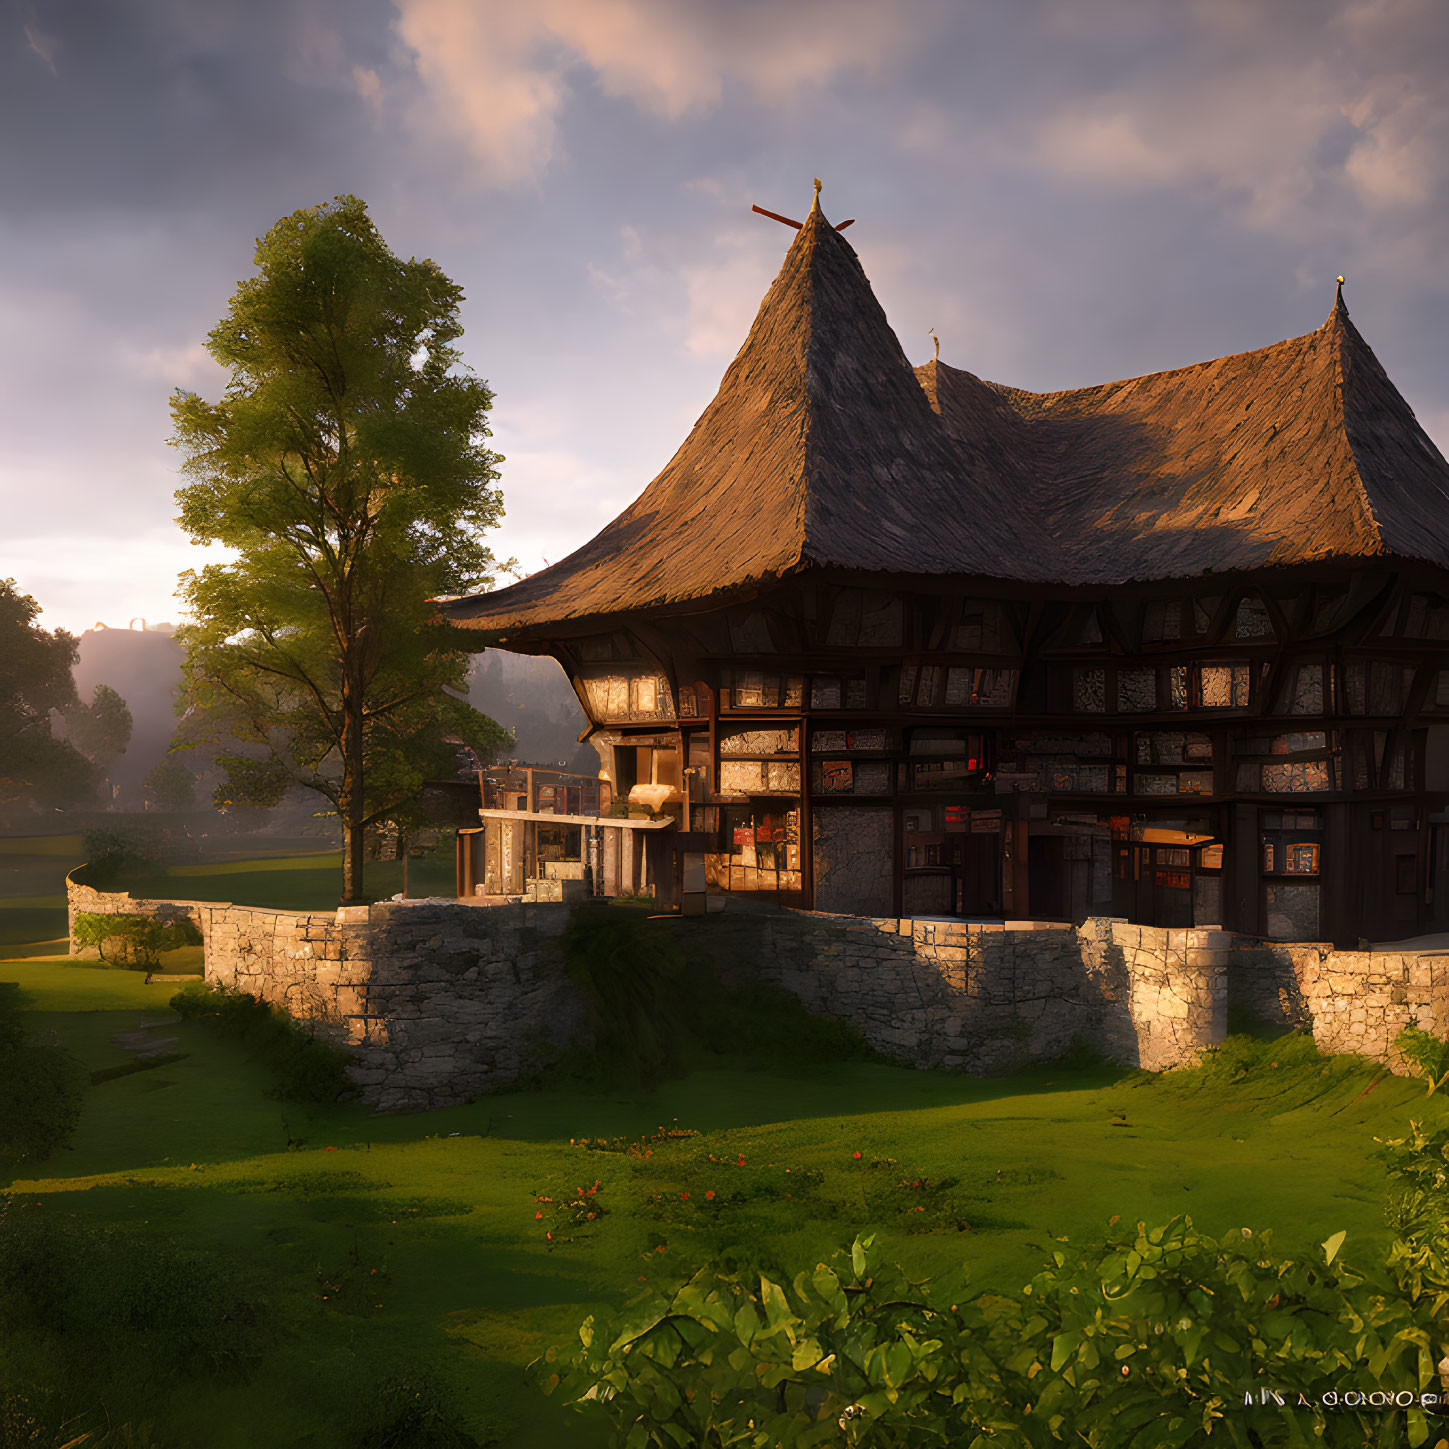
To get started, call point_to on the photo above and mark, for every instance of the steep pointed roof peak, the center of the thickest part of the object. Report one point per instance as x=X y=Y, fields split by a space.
x=824 y=448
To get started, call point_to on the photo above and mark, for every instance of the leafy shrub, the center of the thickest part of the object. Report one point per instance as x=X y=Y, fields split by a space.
x=135 y=942
x=111 y=850
x=305 y=1068
x=1419 y=1213
x=41 y=1087
x=1153 y=1338
x=1427 y=1052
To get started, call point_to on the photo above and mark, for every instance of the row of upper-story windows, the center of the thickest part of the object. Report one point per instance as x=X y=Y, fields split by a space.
x=878 y=620
x=1309 y=687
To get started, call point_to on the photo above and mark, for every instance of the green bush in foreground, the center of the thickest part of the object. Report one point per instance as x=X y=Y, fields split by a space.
x=304 y=1067
x=135 y=942
x=1427 y=1053
x=1149 y=1340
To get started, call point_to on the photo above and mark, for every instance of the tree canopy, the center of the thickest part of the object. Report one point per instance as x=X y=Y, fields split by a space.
x=346 y=464
x=35 y=678
x=169 y=785
x=100 y=728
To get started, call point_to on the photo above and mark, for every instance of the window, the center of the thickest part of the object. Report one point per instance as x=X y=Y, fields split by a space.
x=834 y=691
x=1162 y=622
x=1136 y=690
x=1089 y=691
x=754 y=689
x=1302 y=690
x=1252 y=621
x=1223 y=686
x=1291 y=842
x=932 y=686
x=866 y=619
x=1428 y=618
x=985 y=627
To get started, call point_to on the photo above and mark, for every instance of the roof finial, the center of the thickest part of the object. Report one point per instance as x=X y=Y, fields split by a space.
x=790 y=220
x=1338 y=296
x=937 y=340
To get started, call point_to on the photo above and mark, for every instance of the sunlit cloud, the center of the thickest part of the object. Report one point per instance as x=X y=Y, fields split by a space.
x=499 y=75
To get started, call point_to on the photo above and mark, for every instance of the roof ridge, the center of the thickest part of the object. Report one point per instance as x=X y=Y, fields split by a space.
x=1283 y=344
x=1340 y=330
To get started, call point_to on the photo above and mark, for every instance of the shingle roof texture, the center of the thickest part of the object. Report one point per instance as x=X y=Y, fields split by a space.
x=823 y=446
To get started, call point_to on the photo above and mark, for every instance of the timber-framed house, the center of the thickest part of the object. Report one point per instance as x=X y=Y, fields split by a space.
x=894 y=641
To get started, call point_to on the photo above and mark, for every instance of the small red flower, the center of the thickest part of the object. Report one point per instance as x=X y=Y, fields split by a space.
x=329 y=1149
x=591 y=1217
x=855 y=1154
x=709 y=1196
x=537 y=1216
x=373 y=1274
x=741 y=1162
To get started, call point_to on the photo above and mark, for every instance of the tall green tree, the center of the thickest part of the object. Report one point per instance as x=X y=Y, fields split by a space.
x=346 y=465
x=100 y=728
x=169 y=785
x=35 y=679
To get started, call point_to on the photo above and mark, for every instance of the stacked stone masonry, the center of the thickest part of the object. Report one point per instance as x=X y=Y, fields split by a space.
x=438 y=1001
x=990 y=997
x=443 y=1000
x=1352 y=1001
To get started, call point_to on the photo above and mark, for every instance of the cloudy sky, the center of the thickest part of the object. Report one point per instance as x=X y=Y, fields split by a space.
x=1067 y=190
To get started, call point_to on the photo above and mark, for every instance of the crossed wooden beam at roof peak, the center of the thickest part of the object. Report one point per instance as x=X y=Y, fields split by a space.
x=790 y=221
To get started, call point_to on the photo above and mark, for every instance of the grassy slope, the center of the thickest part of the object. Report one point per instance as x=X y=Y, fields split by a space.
x=467 y=1280
x=195 y=1151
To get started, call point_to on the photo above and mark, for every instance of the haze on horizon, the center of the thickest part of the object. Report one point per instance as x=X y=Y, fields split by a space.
x=1067 y=192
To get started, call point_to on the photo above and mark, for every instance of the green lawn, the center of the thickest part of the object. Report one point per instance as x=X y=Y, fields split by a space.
x=304 y=1203
x=452 y=1209
x=305 y=882
x=33 y=870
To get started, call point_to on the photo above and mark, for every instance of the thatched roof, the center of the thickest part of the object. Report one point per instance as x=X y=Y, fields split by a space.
x=824 y=448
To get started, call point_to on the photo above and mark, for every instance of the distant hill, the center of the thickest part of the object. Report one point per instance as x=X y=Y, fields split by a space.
x=143 y=666
x=534 y=698
x=530 y=696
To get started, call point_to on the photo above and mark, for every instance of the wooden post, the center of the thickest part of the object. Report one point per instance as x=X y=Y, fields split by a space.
x=1335 y=899
x=1240 y=878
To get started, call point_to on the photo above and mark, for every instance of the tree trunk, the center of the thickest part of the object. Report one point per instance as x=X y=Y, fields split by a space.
x=351 y=805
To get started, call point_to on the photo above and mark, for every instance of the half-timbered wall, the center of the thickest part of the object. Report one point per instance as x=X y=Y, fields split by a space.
x=1268 y=757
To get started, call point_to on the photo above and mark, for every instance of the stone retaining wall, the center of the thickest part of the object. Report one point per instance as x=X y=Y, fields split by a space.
x=443 y=1000
x=1352 y=1001
x=989 y=997
x=440 y=1001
